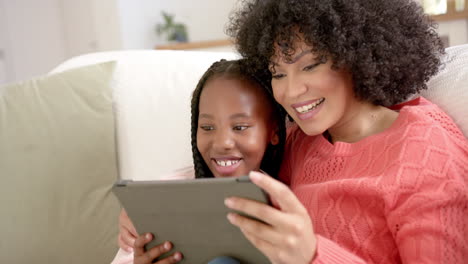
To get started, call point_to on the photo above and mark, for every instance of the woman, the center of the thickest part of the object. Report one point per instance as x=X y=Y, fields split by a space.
x=374 y=183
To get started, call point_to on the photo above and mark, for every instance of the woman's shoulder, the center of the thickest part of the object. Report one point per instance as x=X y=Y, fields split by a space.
x=426 y=118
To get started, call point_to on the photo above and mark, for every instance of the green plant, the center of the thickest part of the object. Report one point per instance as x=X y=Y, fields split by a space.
x=173 y=31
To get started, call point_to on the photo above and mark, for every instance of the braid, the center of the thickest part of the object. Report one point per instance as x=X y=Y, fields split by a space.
x=273 y=155
x=201 y=169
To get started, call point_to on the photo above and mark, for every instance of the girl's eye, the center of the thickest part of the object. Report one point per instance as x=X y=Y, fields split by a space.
x=277 y=76
x=207 y=127
x=240 y=128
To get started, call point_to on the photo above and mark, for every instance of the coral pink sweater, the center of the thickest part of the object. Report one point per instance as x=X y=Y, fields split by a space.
x=400 y=196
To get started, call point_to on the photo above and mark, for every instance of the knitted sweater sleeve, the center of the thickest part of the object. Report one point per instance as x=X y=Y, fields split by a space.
x=429 y=226
x=328 y=252
x=427 y=213
x=428 y=207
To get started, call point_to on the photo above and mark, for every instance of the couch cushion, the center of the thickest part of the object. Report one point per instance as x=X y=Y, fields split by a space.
x=449 y=88
x=57 y=166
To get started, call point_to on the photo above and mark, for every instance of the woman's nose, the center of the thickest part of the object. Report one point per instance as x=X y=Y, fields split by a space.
x=295 y=87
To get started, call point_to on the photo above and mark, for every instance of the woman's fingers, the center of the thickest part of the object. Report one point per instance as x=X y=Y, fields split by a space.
x=255 y=209
x=259 y=229
x=287 y=235
x=261 y=244
x=279 y=192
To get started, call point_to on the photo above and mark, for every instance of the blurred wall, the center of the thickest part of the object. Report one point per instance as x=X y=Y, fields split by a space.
x=205 y=20
x=37 y=35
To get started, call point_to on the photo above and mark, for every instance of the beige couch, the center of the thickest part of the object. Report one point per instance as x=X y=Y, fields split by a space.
x=59 y=139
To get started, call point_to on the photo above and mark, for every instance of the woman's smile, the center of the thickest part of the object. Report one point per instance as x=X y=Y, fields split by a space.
x=308 y=109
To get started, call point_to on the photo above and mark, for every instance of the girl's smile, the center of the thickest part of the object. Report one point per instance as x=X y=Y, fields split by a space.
x=226 y=165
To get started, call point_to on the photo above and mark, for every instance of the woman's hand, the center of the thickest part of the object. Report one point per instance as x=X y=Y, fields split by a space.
x=141 y=256
x=127 y=232
x=287 y=236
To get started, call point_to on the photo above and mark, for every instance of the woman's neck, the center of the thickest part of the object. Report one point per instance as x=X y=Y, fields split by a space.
x=362 y=121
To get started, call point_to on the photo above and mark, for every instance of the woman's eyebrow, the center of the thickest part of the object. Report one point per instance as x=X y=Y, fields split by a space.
x=300 y=55
x=293 y=60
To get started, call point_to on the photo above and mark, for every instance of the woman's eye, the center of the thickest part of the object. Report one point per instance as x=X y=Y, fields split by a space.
x=310 y=67
x=277 y=76
x=240 y=128
x=207 y=128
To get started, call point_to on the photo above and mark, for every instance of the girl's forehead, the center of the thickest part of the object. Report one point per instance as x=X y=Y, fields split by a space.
x=227 y=87
x=228 y=90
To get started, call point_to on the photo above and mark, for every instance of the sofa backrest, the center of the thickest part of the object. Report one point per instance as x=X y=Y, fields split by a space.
x=152 y=91
x=449 y=88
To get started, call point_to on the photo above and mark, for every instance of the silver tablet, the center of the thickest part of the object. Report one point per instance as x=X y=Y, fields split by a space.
x=192 y=215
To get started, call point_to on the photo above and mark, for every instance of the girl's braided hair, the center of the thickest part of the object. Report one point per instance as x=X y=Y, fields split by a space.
x=238 y=69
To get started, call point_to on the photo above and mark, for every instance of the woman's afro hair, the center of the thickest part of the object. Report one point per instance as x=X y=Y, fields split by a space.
x=390 y=47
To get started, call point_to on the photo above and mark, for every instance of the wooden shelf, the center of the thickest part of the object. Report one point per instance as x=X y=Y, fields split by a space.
x=195 y=45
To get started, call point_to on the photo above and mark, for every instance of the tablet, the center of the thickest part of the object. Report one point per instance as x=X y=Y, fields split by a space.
x=192 y=215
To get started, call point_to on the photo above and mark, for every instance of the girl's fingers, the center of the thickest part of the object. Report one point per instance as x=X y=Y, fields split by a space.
x=126 y=239
x=174 y=258
x=142 y=257
x=279 y=192
x=127 y=233
x=125 y=245
x=140 y=242
x=126 y=223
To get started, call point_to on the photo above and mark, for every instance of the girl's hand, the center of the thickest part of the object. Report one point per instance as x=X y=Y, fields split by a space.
x=141 y=256
x=127 y=232
x=288 y=235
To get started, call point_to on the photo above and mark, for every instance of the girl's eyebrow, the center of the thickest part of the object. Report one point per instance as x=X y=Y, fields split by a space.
x=234 y=116
x=239 y=115
x=205 y=116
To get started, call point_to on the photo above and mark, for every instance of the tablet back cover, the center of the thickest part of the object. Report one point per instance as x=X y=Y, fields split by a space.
x=192 y=215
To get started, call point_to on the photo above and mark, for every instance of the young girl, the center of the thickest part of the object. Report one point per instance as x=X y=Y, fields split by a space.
x=376 y=184
x=236 y=128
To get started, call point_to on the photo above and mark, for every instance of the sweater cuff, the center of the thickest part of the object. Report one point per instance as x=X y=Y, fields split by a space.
x=329 y=252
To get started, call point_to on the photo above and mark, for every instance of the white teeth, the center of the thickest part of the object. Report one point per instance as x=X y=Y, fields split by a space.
x=307 y=108
x=225 y=163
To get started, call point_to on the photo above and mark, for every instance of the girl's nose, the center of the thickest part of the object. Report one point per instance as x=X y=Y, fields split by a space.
x=224 y=140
